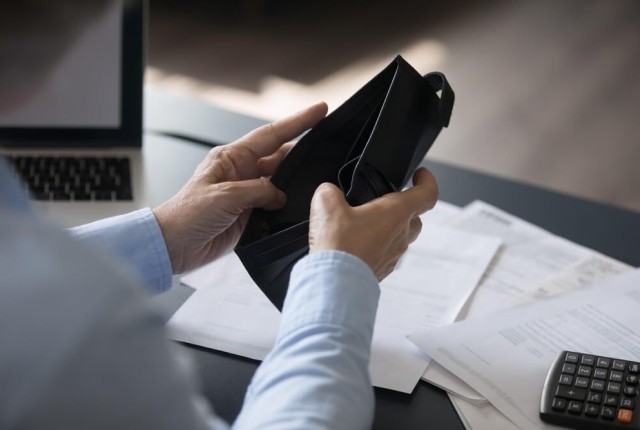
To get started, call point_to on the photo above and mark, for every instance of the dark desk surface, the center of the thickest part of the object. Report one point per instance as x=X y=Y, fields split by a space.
x=612 y=231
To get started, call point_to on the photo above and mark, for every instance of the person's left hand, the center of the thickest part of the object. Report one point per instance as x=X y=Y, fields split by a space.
x=208 y=214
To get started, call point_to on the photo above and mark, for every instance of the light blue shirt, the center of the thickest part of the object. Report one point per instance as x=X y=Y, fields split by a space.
x=83 y=348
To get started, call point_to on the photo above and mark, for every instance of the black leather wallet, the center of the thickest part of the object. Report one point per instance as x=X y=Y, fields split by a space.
x=369 y=146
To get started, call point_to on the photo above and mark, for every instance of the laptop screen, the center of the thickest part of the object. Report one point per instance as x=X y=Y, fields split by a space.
x=93 y=95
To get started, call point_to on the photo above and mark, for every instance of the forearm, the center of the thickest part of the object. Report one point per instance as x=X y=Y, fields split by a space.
x=317 y=374
x=135 y=238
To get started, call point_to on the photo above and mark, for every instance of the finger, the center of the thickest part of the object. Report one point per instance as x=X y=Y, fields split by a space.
x=267 y=139
x=268 y=165
x=236 y=197
x=415 y=227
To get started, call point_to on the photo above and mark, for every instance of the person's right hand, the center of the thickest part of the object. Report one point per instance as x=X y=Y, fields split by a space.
x=377 y=232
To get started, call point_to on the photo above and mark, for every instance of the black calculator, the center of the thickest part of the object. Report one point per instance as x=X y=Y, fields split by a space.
x=586 y=391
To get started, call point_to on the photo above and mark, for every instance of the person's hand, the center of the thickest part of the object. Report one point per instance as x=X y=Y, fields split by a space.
x=377 y=232
x=208 y=214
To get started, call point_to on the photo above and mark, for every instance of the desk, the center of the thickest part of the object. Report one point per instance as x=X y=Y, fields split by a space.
x=225 y=377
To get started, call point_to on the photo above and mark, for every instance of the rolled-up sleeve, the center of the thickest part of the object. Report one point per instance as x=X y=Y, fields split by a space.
x=135 y=238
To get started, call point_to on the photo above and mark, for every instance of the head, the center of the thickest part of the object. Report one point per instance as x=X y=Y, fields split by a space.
x=34 y=34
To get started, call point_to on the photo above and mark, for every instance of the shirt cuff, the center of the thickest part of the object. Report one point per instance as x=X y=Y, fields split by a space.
x=331 y=287
x=138 y=242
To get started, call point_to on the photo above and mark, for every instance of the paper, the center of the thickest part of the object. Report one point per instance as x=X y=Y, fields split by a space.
x=442 y=378
x=485 y=417
x=593 y=268
x=532 y=263
x=529 y=256
x=431 y=283
x=500 y=354
x=227 y=312
x=441 y=214
x=428 y=289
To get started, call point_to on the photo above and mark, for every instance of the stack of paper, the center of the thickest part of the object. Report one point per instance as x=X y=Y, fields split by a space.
x=531 y=264
x=506 y=356
x=429 y=287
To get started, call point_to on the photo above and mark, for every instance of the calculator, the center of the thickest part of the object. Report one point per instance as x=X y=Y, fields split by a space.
x=586 y=391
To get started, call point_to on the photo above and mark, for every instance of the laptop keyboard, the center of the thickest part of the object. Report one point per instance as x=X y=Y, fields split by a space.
x=75 y=178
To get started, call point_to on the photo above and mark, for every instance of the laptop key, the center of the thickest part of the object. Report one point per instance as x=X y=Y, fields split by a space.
x=102 y=195
x=40 y=196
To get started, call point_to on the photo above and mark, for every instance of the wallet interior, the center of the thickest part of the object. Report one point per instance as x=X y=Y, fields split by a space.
x=323 y=155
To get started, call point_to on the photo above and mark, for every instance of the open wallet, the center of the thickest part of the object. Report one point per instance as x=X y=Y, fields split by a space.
x=369 y=146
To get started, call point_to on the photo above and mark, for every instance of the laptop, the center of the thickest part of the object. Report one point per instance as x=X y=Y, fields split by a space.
x=77 y=142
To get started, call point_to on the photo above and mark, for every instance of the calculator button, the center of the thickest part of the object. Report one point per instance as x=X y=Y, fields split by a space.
x=569 y=368
x=616 y=376
x=632 y=380
x=594 y=397
x=608 y=413
x=588 y=360
x=582 y=382
x=571 y=357
x=597 y=385
x=600 y=374
x=618 y=365
x=565 y=380
x=625 y=416
x=626 y=403
x=614 y=387
x=610 y=400
x=575 y=407
x=559 y=404
x=603 y=362
x=630 y=391
x=584 y=371
x=634 y=368
x=572 y=393
x=592 y=410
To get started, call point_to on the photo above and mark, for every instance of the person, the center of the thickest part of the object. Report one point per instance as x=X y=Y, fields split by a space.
x=83 y=348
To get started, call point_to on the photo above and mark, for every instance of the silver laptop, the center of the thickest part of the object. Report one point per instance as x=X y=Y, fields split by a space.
x=77 y=143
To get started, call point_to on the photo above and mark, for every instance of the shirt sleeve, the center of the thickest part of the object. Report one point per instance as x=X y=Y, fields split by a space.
x=316 y=376
x=82 y=348
x=135 y=238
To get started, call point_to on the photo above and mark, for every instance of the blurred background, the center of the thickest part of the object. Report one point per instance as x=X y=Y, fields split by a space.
x=547 y=92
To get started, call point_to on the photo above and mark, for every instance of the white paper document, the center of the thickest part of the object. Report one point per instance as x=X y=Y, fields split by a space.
x=532 y=263
x=442 y=378
x=227 y=311
x=480 y=417
x=431 y=283
x=529 y=255
x=428 y=288
x=506 y=356
x=441 y=214
x=592 y=268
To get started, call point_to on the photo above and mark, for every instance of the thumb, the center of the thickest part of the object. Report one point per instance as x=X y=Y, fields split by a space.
x=327 y=206
x=328 y=198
